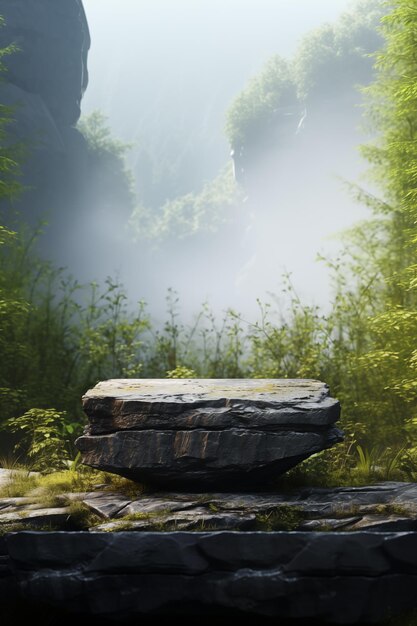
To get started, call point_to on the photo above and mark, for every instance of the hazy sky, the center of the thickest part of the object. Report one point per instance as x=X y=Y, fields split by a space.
x=165 y=72
x=147 y=50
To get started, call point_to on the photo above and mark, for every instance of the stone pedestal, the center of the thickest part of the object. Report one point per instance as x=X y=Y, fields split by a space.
x=206 y=433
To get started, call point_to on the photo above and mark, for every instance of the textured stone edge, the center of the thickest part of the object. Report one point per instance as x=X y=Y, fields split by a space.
x=107 y=402
x=336 y=577
x=298 y=417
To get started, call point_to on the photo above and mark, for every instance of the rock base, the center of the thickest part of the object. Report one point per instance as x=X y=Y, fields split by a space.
x=342 y=578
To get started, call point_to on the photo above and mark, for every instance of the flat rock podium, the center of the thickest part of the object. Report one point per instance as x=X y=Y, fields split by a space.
x=205 y=433
x=210 y=436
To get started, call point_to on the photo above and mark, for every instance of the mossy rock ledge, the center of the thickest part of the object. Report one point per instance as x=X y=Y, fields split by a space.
x=206 y=433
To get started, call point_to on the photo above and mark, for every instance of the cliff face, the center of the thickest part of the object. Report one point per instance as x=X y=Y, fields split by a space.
x=53 y=41
x=45 y=81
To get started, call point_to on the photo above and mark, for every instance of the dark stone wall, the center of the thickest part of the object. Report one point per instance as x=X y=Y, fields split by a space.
x=344 y=578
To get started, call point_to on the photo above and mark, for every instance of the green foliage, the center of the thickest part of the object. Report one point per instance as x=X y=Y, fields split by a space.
x=101 y=339
x=209 y=347
x=47 y=488
x=181 y=372
x=57 y=337
x=81 y=517
x=377 y=463
x=254 y=110
x=83 y=332
x=336 y=57
x=202 y=213
x=111 y=177
x=10 y=154
x=99 y=138
x=44 y=436
x=21 y=483
x=329 y=61
x=283 y=517
x=386 y=360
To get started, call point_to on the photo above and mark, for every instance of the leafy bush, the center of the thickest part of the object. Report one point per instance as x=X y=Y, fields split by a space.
x=44 y=435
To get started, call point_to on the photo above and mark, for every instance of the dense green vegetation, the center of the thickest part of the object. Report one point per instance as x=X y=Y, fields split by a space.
x=10 y=154
x=330 y=61
x=57 y=337
x=255 y=109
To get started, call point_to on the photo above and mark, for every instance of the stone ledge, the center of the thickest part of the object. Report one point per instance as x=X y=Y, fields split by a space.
x=340 y=578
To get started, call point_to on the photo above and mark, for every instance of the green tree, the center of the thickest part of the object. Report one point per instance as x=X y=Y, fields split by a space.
x=111 y=180
x=336 y=57
x=393 y=157
x=330 y=60
x=9 y=153
x=255 y=108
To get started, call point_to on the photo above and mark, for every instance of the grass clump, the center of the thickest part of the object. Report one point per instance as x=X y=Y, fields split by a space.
x=138 y=517
x=14 y=527
x=281 y=518
x=47 y=488
x=114 y=482
x=80 y=517
x=20 y=484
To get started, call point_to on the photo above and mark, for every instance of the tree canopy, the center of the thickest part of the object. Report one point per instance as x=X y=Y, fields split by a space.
x=329 y=60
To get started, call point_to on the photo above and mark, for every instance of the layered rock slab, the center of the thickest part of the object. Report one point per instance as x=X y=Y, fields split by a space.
x=204 y=433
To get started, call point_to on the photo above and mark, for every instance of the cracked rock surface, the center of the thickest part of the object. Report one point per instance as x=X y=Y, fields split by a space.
x=384 y=507
x=388 y=506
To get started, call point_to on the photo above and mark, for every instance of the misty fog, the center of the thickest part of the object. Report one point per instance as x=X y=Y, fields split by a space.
x=164 y=72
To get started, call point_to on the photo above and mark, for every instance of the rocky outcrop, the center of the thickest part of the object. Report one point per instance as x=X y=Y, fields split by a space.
x=384 y=507
x=206 y=432
x=44 y=83
x=332 y=578
x=380 y=508
x=53 y=40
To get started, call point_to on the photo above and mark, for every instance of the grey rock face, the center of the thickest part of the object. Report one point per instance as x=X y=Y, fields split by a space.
x=340 y=578
x=53 y=40
x=105 y=505
x=35 y=516
x=206 y=432
x=45 y=80
x=379 y=508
